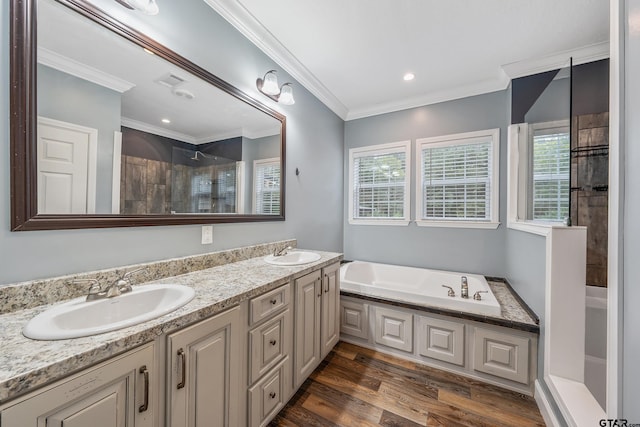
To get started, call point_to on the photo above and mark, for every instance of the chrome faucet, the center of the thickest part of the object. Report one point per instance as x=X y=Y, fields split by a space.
x=282 y=251
x=117 y=288
x=464 y=292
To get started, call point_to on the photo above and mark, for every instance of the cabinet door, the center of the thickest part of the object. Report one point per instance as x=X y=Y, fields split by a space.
x=203 y=372
x=308 y=300
x=330 y=328
x=117 y=393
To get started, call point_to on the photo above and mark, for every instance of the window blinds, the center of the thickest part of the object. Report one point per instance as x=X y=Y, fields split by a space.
x=550 y=178
x=267 y=188
x=379 y=185
x=456 y=181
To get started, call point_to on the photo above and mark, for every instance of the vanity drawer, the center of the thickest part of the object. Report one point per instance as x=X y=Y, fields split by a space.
x=268 y=344
x=269 y=395
x=265 y=305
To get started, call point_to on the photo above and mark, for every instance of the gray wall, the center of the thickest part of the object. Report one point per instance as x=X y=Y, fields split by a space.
x=432 y=247
x=525 y=263
x=631 y=213
x=314 y=144
x=64 y=97
x=553 y=103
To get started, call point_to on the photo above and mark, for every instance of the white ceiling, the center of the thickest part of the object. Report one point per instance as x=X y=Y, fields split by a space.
x=77 y=46
x=353 y=54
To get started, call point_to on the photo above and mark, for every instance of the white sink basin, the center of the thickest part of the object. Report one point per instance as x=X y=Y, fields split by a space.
x=81 y=318
x=293 y=258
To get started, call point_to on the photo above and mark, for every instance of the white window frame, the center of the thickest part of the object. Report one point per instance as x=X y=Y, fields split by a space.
x=518 y=166
x=381 y=149
x=256 y=164
x=462 y=139
x=533 y=128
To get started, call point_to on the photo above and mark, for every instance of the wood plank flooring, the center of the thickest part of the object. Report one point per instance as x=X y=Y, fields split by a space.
x=355 y=386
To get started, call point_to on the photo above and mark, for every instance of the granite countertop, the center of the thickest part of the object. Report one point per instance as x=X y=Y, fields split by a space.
x=26 y=364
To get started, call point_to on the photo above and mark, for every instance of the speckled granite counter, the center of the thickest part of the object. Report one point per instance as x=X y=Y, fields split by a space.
x=26 y=364
x=515 y=313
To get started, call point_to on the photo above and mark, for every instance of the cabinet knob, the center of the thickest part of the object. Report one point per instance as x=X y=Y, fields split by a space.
x=273 y=301
x=272 y=395
x=273 y=342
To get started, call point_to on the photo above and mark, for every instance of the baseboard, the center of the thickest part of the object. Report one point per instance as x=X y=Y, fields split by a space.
x=544 y=405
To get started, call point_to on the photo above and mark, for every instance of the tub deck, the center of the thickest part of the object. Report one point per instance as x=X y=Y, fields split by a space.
x=514 y=314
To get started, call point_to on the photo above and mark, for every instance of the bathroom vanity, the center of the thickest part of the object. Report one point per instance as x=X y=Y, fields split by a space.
x=232 y=356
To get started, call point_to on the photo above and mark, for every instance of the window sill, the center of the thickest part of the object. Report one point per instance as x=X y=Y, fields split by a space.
x=459 y=224
x=400 y=222
x=539 y=228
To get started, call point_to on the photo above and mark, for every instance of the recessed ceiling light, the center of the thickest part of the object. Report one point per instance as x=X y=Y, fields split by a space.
x=408 y=77
x=167 y=121
x=148 y=51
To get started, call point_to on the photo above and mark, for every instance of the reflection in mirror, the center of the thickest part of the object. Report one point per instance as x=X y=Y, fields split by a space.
x=545 y=177
x=123 y=131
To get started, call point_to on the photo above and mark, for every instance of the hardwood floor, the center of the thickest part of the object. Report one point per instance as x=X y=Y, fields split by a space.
x=355 y=386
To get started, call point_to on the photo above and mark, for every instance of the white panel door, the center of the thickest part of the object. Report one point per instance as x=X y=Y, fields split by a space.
x=66 y=167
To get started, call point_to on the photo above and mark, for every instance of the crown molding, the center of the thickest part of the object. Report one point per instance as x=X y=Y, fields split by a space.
x=235 y=133
x=581 y=55
x=78 y=69
x=473 y=89
x=157 y=130
x=238 y=16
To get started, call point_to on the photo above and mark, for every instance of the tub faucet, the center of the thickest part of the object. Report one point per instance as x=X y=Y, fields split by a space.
x=464 y=292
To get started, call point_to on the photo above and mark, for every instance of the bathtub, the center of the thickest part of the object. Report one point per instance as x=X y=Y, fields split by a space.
x=417 y=286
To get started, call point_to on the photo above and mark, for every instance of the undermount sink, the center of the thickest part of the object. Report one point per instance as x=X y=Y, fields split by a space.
x=81 y=318
x=292 y=258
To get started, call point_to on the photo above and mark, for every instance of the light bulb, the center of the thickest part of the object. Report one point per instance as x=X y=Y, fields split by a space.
x=149 y=7
x=270 y=83
x=286 y=95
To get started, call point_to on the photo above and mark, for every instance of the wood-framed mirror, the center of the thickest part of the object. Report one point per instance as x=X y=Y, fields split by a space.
x=109 y=128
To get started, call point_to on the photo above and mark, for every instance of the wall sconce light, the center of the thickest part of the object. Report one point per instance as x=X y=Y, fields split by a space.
x=149 y=7
x=269 y=86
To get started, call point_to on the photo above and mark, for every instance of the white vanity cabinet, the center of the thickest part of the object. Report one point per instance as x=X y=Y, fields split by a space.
x=120 y=392
x=203 y=371
x=330 y=316
x=317 y=326
x=270 y=341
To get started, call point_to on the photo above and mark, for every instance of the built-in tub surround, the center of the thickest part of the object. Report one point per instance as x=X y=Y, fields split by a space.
x=420 y=286
x=513 y=311
x=27 y=364
x=34 y=293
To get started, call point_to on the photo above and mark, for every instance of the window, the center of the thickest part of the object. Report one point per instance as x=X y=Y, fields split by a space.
x=266 y=186
x=549 y=177
x=457 y=183
x=379 y=184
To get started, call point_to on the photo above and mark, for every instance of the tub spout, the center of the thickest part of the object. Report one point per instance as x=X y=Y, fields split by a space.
x=464 y=291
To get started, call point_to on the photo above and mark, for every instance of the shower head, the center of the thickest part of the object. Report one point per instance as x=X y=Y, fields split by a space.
x=206 y=156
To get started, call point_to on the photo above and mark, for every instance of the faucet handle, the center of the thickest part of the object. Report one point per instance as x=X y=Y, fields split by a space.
x=477 y=295
x=126 y=275
x=94 y=289
x=450 y=292
x=282 y=251
x=124 y=283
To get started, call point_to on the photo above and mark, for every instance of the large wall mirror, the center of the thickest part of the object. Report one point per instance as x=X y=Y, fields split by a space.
x=110 y=128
